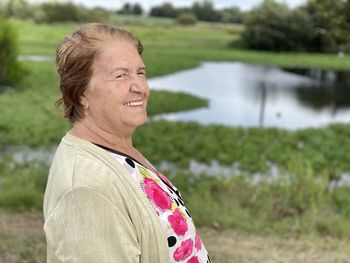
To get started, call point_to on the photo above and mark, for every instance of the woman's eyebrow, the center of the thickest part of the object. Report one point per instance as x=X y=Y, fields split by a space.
x=123 y=68
x=116 y=68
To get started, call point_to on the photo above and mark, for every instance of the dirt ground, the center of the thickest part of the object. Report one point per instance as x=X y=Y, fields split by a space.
x=22 y=241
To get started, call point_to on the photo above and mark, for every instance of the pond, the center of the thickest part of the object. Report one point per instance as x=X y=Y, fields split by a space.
x=250 y=95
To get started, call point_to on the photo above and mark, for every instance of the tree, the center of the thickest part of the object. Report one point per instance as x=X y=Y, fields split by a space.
x=205 y=11
x=329 y=18
x=56 y=12
x=126 y=9
x=165 y=10
x=272 y=26
x=137 y=9
x=232 y=15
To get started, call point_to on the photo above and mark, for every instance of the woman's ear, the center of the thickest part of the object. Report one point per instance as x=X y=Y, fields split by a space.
x=85 y=103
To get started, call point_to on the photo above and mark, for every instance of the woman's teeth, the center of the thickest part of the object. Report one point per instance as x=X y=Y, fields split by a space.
x=134 y=103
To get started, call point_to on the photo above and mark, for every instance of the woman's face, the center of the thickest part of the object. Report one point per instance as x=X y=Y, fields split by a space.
x=118 y=92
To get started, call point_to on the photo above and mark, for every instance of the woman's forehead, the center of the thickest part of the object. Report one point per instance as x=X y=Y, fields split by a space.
x=115 y=56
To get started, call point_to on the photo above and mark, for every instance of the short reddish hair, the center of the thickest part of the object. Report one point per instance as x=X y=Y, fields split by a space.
x=75 y=57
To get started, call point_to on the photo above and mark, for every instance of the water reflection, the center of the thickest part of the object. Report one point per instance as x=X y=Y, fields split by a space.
x=331 y=92
x=258 y=95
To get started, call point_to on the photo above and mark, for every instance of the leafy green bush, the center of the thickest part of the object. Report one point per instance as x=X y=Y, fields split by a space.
x=56 y=12
x=15 y=8
x=272 y=26
x=186 y=19
x=10 y=69
x=69 y=12
x=331 y=24
x=232 y=15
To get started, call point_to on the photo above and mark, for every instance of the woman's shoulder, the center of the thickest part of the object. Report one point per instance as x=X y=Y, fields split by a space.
x=82 y=165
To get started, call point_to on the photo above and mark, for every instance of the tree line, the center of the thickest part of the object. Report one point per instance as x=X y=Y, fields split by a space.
x=317 y=26
x=55 y=11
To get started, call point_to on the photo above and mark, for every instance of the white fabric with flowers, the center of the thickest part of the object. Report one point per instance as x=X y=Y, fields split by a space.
x=185 y=245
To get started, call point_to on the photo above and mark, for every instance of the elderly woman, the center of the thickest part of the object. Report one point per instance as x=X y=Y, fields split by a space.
x=104 y=202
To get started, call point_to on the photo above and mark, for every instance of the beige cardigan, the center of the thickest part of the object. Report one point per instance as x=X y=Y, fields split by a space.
x=96 y=212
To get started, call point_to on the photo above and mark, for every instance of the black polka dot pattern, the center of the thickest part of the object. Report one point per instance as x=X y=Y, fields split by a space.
x=181 y=202
x=172 y=241
x=130 y=162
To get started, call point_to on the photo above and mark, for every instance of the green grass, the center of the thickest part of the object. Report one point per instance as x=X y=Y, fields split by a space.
x=22 y=185
x=162 y=101
x=170 y=47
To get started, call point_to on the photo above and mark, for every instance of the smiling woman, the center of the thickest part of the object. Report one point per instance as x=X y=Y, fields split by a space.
x=104 y=202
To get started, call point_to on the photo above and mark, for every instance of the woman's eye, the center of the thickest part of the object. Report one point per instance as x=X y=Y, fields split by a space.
x=142 y=73
x=121 y=76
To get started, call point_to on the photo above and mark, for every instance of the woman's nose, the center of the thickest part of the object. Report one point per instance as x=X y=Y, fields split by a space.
x=139 y=84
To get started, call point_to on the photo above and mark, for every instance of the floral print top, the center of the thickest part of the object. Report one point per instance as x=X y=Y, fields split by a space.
x=185 y=245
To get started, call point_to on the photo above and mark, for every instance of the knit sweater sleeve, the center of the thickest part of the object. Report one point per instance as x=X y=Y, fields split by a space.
x=86 y=227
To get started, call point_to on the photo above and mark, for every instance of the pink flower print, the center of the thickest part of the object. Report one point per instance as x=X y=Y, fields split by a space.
x=193 y=259
x=158 y=196
x=198 y=242
x=184 y=250
x=178 y=223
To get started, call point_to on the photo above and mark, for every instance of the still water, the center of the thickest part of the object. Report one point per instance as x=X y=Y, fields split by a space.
x=250 y=95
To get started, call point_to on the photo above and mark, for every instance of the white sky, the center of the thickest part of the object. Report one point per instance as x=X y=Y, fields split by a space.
x=147 y=4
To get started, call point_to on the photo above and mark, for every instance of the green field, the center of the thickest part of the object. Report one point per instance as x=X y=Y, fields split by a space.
x=299 y=202
x=170 y=47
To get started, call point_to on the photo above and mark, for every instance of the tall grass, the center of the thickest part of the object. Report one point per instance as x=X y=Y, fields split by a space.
x=297 y=202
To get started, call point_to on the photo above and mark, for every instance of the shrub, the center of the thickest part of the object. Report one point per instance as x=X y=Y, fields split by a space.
x=204 y=10
x=10 y=68
x=55 y=12
x=331 y=25
x=272 y=26
x=96 y=14
x=232 y=15
x=66 y=12
x=186 y=19
x=15 y=8
x=165 y=10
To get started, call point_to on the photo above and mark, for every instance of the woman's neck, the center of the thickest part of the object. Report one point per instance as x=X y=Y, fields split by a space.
x=113 y=141
x=121 y=142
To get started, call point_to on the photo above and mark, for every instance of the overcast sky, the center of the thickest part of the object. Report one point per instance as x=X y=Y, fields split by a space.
x=146 y=4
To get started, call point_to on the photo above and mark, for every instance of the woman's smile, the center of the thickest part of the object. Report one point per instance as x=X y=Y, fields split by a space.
x=134 y=103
